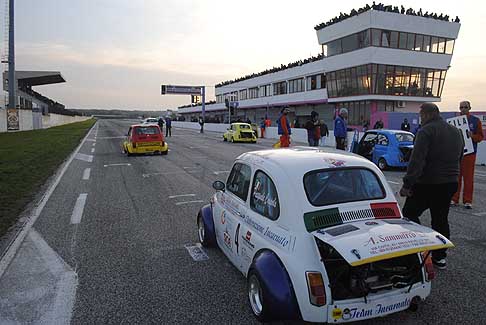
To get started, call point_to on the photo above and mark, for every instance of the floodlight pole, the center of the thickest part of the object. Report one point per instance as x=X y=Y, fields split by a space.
x=12 y=96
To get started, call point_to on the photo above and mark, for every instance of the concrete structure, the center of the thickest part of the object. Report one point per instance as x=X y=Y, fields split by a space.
x=372 y=62
x=27 y=120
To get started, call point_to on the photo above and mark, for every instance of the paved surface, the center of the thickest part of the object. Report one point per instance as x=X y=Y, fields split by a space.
x=120 y=229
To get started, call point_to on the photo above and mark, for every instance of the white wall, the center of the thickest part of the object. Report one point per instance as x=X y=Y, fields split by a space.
x=26 y=120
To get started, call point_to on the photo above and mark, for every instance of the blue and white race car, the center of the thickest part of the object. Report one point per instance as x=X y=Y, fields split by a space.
x=319 y=236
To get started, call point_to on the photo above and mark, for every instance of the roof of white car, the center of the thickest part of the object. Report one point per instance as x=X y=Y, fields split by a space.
x=299 y=160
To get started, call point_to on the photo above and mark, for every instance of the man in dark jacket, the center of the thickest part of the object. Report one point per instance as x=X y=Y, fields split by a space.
x=168 y=127
x=324 y=133
x=313 y=130
x=341 y=129
x=405 y=125
x=432 y=173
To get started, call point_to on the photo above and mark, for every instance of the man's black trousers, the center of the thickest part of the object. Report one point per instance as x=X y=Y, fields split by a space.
x=437 y=198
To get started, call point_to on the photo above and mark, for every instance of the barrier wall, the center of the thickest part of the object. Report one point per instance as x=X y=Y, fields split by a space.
x=29 y=120
x=299 y=136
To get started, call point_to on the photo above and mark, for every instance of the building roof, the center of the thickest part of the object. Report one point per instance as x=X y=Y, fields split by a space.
x=37 y=78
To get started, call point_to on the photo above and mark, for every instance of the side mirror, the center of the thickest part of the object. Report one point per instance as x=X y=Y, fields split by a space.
x=219 y=186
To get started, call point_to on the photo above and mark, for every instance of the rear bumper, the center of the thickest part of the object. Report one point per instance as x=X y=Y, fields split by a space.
x=149 y=149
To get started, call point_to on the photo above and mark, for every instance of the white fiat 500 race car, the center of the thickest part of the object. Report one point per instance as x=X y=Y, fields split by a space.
x=319 y=236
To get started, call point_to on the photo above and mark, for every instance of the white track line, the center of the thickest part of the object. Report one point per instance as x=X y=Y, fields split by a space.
x=180 y=195
x=94 y=144
x=480 y=214
x=92 y=150
x=86 y=174
x=221 y=172
x=79 y=208
x=189 y=202
x=83 y=157
x=121 y=164
x=15 y=245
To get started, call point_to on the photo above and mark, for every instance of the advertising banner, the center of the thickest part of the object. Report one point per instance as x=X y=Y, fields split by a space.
x=13 y=119
x=461 y=123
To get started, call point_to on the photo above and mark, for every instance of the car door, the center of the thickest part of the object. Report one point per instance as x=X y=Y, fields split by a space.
x=233 y=202
x=381 y=147
x=259 y=229
x=367 y=145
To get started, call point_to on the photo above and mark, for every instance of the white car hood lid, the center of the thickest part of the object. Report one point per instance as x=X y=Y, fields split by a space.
x=367 y=241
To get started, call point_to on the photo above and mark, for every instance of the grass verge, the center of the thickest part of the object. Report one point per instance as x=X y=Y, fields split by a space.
x=27 y=159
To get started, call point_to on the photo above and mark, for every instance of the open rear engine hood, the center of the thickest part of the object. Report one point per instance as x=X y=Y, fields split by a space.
x=367 y=241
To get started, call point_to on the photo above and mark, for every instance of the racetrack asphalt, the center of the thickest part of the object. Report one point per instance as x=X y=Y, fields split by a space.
x=127 y=246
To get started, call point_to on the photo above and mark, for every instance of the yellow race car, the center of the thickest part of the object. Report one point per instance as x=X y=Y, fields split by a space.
x=146 y=138
x=240 y=132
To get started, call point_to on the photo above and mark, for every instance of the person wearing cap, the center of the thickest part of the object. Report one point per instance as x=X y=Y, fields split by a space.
x=341 y=129
x=469 y=161
x=313 y=130
x=284 y=128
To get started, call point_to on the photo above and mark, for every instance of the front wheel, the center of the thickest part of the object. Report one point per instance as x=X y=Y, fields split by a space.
x=382 y=164
x=232 y=140
x=257 y=297
x=201 y=232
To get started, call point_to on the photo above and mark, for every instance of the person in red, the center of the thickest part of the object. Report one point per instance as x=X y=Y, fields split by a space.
x=284 y=128
x=469 y=161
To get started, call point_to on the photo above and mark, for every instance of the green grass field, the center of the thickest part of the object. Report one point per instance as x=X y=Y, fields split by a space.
x=27 y=159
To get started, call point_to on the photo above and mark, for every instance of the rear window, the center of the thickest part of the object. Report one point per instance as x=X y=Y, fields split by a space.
x=404 y=137
x=146 y=130
x=244 y=126
x=333 y=186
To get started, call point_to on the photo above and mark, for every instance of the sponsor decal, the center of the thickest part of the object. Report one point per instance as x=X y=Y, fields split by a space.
x=255 y=225
x=265 y=199
x=247 y=240
x=389 y=238
x=337 y=313
x=279 y=239
x=357 y=313
x=223 y=217
x=371 y=223
x=382 y=244
x=227 y=239
x=335 y=162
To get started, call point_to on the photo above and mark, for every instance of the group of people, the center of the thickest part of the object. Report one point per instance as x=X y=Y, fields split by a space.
x=272 y=70
x=386 y=8
x=168 y=125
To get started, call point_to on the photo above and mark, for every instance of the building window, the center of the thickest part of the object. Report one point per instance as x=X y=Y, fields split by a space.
x=358 y=111
x=243 y=94
x=317 y=81
x=253 y=93
x=296 y=85
x=219 y=98
x=390 y=39
x=379 y=79
x=280 y=88
x=265 y=90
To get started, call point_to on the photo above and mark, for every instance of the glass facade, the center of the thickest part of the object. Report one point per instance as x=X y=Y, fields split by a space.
x=253 y=93
x=380 y=79
x=390 y=39
x=265 y=90
x=280 y=88
x=243 y=94
x=358 y=112
x=317 y=81
x=296 y=85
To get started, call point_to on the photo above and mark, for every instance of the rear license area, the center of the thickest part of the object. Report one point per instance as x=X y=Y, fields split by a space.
x=247 y=135
x=148 y=144
x=343 y=313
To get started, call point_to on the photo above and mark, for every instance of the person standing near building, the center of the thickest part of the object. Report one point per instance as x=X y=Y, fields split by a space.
x=168 y=127
x=262 y=127
x=341 y=129
x=432 y=173
x=160 y=122
x=284 y=128
x=201 y=124
x=469 y=161
x=313 y=128
x=405 y=126
x=324 y=133
x=378 y=125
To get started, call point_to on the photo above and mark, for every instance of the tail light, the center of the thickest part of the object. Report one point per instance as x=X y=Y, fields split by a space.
x=317 y=292
x=429 y=266
x=385 y=210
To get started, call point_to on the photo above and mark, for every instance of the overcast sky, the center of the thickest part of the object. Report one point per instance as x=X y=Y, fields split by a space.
x=117 y=53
